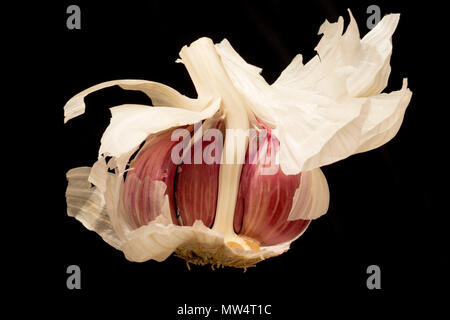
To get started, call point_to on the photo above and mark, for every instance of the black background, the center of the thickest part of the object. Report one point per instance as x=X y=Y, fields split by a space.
x=384 y=208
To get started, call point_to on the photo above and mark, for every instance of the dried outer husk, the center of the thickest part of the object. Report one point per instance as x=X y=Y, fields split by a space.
x=331 y=107
x=86 y=203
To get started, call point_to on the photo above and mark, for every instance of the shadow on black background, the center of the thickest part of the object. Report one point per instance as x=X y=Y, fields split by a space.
x=384 y=209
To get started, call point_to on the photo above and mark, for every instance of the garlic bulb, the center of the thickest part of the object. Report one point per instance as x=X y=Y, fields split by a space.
x=233 y=177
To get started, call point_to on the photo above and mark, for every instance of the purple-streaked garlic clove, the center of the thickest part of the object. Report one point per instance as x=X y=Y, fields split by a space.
x=266 y=197
x=143 y=196
x=197 y=183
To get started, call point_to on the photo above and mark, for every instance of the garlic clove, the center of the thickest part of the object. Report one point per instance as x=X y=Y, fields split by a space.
x=143 y=199
x=197 y=181
x=196 y=193
x=265 y=200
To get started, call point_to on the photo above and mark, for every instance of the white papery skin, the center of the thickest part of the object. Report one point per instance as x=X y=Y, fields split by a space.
x=324 y=111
